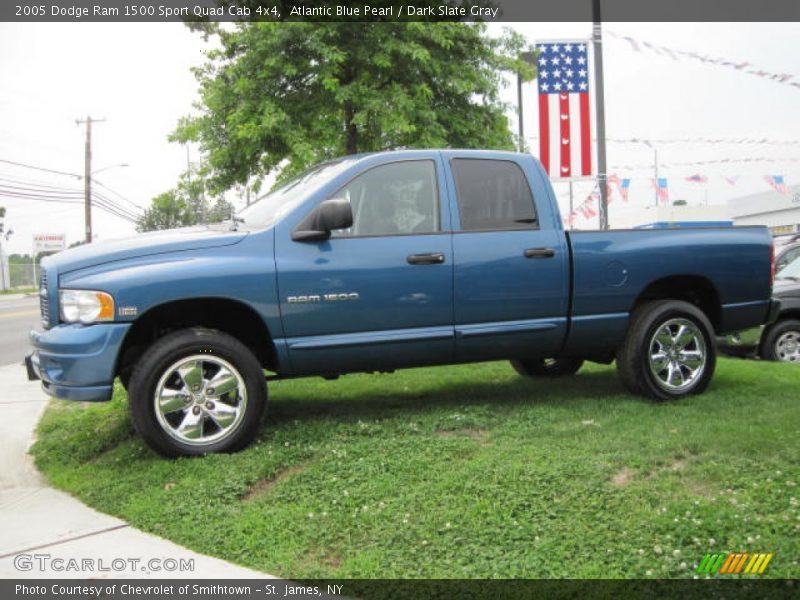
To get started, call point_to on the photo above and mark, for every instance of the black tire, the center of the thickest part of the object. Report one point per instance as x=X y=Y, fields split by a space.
x=774 y=342
x=634 y=356
x=210 y=358
x=547 y=367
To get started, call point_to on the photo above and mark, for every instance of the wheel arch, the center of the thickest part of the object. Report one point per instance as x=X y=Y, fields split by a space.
x=234 y=317
x=695 y=289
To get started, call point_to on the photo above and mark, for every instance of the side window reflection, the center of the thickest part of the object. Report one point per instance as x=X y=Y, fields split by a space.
x=394 y=199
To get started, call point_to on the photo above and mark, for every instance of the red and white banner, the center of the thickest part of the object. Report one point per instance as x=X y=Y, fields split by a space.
x=565 y=132
x=49 y=242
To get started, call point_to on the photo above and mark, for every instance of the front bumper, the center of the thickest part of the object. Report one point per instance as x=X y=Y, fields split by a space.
x=76 y=362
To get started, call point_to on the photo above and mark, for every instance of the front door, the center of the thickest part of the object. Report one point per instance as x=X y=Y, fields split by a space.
x=378 y=295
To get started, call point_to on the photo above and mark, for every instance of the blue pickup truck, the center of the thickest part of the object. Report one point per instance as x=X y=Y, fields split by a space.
x=383 y=261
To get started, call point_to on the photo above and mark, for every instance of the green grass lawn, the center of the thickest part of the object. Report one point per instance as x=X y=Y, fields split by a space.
x=465 y=472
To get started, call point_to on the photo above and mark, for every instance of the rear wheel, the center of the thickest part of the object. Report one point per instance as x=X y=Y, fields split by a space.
x=197 y=391
x=782 y=342
x=547 y=367
x=668 y=352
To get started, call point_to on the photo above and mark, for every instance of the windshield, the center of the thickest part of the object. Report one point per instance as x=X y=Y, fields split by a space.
x=275 y=204
x=790 y=271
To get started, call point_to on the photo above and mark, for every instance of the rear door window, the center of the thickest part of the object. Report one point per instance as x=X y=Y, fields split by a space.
x=493 y=195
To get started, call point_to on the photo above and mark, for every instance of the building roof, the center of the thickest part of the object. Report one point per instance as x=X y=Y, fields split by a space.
x=765 y=202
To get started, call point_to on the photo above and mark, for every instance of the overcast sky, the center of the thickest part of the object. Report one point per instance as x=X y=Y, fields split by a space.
x=137 y=76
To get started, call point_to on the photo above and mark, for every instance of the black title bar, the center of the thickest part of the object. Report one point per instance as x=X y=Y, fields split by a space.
x=381 y=10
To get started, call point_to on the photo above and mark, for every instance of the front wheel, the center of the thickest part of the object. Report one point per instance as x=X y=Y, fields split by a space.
x=782 y=342
x=547 y=367
x=197 y=391
x=668 y=352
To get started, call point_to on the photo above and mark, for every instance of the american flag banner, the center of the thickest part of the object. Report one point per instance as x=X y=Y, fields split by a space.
x=611 y=183
x=776 y=183
x=697 y=178
x=731 y=180
x=624 y=187
x=662 y=189
x=564 y=115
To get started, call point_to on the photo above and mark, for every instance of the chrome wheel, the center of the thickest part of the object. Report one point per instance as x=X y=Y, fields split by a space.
x=787 y=347
x=200 y=400
x=677 y=355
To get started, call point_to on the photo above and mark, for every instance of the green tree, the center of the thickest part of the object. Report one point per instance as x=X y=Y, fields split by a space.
x=286 y=95
x=184 y=205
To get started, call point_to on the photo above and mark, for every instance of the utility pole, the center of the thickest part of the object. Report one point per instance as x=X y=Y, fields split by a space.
x=87 y=174
x=602 y=175
x=519 y=112
x=530 y=58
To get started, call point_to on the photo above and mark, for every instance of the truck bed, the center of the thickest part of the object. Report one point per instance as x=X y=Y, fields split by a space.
x=612 y=269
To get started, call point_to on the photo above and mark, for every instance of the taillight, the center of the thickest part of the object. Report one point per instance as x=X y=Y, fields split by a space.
x=772 y=264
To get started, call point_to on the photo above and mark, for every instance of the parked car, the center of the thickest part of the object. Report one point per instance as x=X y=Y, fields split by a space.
x=784 y=239
x=378 y=262
x=786 y=254
x=779 y=340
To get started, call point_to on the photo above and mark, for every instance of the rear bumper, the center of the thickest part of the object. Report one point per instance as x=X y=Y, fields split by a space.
x=745 y=315
x=76 y=362
x=774 y=311
x=745 y=342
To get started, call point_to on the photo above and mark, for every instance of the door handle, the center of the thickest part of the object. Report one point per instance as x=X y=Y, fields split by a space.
x=539 y=253
x=431 y=258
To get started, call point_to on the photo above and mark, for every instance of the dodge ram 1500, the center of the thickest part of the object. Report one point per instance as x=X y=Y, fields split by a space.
x=379 y=262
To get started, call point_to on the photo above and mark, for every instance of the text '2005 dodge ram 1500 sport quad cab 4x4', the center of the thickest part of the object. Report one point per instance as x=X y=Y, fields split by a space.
x=379 y=262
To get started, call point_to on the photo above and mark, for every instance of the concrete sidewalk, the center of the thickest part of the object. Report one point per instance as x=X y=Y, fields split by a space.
x=36 y=519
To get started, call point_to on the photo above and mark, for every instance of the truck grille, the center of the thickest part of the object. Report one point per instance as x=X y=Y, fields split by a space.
x=44 y=303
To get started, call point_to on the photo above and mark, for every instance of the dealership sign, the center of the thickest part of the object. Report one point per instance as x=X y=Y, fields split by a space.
x=49 y=242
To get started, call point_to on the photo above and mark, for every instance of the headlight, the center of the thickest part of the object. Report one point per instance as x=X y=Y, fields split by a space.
x=85 y=306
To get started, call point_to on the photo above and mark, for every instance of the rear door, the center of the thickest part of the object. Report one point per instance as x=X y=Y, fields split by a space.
x=380 y=294
x=511 y=260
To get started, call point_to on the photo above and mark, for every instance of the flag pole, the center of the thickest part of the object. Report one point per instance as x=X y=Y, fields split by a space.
x=597 y=39
x=571 y=201
x=520 y=142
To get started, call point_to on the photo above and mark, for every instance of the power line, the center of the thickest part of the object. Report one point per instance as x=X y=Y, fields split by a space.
x=103 y=185
x=116 y=205
x=20 y=195
x=66 y=194
x=17 y=180
x=76 y=175
x=34 y=194
x=41 y=190
x=26 y=166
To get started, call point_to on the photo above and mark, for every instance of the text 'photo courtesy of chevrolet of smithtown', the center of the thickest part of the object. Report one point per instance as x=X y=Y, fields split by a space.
x=385 y=300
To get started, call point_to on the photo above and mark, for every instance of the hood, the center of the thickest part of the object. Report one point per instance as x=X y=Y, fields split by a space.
x=146 y=244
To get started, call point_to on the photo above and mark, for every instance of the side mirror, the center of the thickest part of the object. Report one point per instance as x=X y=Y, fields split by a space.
x=330 y=215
